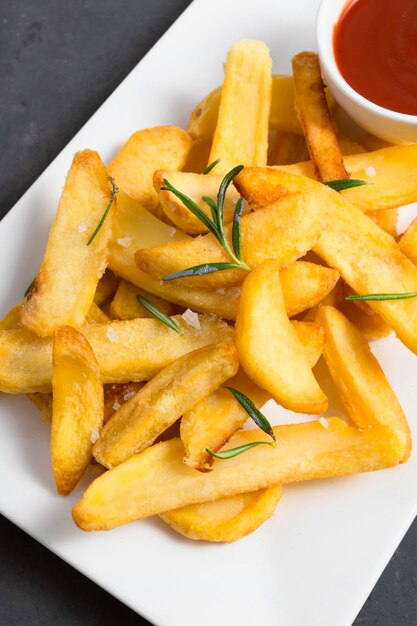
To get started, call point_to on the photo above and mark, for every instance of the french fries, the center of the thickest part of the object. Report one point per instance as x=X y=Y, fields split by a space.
x=155 y=407
x=77 y=407
x=284 y=231
x=161 y=147
x=288 y=148
x=408 y=242
x=107 y=284
x=116 y=395
x=241 y=134
x=268 y=346
x=64 y=291
x=315 y=118
x=131 y=350
x=125 y=305
x=213 y=420
x=359 y=379
x=157 y=480
x=227 y=519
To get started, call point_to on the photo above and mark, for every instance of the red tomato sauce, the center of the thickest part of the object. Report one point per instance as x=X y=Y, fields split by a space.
x=375 y=46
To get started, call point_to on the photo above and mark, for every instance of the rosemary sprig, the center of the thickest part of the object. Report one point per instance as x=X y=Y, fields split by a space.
x=258 y=417
x=345 y=183
x=29 y=288
x=208 y=169
x=215 y=225
x=160 y=315
x=114 y=191
x=229 y=454
x=384 y=296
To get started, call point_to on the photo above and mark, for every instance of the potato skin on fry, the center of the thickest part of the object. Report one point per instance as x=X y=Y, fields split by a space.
x=66 y=282
x=157 y=480
x=155 y=407
x=227 y=519
x=268 y=346
x=77 y=407
x=161 y=147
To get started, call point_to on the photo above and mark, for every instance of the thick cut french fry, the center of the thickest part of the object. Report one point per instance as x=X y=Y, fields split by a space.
x=43 y=401
x=195 y=186
x=227 y=519
x=172 y=392
x=95 y=316
x=161 y=147
x=131 y=350
x=213 y=420
x=66 y=282
x=390 y=172
x=367 y=258
x=387 y=220
x=285 y=231
x=306 y=284
x=366 y=394
x=125 y=305
x=315 y=118
x=408 y=242
x=77 y=407
x=241 y=134
x=288 y=148
x=282 y=116
x=269 y=349
x=107 y=284
x=199 y=155
x=157 y=480
x=116 y=395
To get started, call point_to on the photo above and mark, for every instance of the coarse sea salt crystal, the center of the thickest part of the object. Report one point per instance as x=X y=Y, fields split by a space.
x=191 y=319
x=124 y=241
x=94 y=436
x=324 y=422
x=111 y=335
x=128 y=396
x=116 y=406
x=361 y=263
x=171 y=231
x=82 y=228
x=370 y=171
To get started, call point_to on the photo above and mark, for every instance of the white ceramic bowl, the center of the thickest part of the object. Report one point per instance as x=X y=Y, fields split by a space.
x=389 y=125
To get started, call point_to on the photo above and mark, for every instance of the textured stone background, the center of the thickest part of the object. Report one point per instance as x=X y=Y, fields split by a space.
x=58 y=62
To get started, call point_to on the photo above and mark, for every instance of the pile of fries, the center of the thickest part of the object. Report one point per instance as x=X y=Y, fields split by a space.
x=204 y=272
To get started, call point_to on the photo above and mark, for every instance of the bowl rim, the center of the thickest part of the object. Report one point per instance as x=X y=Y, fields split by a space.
x=328 y=61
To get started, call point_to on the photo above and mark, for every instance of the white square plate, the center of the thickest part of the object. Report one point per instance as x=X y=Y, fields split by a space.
x=317 y=560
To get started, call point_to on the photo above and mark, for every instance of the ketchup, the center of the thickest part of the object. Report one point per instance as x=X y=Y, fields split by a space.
x=375 y=46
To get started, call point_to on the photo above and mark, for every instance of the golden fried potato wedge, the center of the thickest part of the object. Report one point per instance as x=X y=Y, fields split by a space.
x=387 y=220
x=227 y=519
x=137 y=228
x=213 y=420
x=366 y=394
x=161 y=147
x=287 y=148
x=43 y=401
x=241 y=134
x=131 y=350
x=157 y=480
x=306 y=284
x=77 y=407
x=116 y=395
x=172 y=392
x=95 y=316
x=125 y=305
x=107 y=284
x=11 y=319
x=66 y=282
x=195 y=186
x=315 y=118
x=199 y=155
x=269 y=349
x=285 y=231
x=370 y=326
x=408 y=242
x=282 y=116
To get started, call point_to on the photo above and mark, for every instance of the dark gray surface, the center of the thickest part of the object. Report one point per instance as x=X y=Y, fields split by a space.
x=58 y=63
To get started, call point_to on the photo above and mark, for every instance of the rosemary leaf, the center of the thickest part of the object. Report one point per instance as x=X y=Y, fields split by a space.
x=236 y=238
x=227 y=180
x=192 y=206
x=383 y=296
x=229 y=454
x=201 y=270
x=160 y=315
x=213 y=208
x=115 y=190
x=348 y=183
x=208 y=169
x=258 y=417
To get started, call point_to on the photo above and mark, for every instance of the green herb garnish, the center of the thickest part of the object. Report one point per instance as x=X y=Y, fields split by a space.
x=215 y=225
x=258 y=417
x=115 y=190
x=208 y=169
x=160 y=315
x=229 y=454
x=345 y=183
x=384 y=296
x=29 y=288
